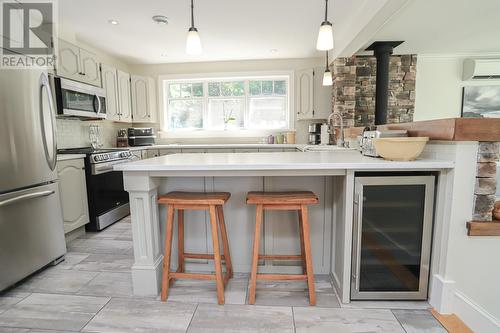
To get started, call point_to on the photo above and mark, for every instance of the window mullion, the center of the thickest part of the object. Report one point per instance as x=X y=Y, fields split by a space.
x=205 y=104
x=246 y=109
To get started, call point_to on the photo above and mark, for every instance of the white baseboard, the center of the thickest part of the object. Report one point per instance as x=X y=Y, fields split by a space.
x=442 y=293
x=336 y=286
x=447 y=300
x=474 y=316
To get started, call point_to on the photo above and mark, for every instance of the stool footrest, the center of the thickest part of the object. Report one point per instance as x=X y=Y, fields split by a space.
x=280 y=257
x=201 y=256
x=274 y=277
x=197 y=276
x=194 y=276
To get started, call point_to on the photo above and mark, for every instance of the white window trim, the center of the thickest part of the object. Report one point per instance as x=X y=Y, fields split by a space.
x=165 y=133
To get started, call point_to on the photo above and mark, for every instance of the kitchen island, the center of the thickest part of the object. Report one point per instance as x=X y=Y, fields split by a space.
x=329 y=174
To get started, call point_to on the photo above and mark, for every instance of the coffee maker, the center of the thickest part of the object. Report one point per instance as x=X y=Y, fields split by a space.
x=314 y=133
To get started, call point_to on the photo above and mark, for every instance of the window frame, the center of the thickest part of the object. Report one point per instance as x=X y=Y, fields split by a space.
x=164 y=80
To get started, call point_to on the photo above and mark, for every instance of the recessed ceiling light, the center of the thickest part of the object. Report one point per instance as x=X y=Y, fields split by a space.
x=273 y=50
x=160 y=19
x=113 y=22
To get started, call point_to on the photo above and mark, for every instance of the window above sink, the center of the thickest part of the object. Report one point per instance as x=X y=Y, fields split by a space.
x=227 y=104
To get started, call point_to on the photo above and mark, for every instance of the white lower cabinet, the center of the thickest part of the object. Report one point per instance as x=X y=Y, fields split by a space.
x=73 y=193
x=169 y=151
x=152 y=153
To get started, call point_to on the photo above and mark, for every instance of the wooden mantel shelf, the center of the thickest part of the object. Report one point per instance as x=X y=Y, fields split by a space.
x=452 y=129
x=483 y=228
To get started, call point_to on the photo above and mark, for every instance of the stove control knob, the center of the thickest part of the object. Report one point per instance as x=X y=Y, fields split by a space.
x=125 y=154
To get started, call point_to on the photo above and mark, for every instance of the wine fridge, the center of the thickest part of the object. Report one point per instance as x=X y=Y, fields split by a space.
x=392 y=234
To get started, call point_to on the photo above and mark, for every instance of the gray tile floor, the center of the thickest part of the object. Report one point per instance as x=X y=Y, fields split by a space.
x=91 y=291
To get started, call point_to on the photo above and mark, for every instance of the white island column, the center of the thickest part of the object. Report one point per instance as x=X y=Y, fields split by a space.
x=147 y=268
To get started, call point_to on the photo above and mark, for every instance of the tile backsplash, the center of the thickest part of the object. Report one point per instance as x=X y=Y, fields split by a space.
x=73 y=133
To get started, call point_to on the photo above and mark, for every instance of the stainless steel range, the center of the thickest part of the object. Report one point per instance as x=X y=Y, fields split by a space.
x=108 y=201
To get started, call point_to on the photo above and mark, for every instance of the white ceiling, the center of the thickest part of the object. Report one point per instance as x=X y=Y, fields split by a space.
x=229 y=29
x=444 y=26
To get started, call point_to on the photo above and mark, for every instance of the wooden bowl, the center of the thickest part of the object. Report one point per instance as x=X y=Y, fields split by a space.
x=400 y=149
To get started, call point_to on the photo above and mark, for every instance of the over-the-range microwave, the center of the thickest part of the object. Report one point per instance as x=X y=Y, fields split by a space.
x=76 y=99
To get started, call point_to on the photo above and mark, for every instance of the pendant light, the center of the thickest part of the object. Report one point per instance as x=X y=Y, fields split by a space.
x=327 y=76
x=193 y=41
x=325 y=35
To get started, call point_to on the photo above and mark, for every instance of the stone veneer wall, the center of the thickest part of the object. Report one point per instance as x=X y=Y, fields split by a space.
x=486 y=180
x=354 y=89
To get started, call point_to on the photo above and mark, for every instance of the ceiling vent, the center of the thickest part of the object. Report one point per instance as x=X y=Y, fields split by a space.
x=481 y=69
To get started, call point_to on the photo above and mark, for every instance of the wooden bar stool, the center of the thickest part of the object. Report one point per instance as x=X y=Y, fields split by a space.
x=213 y=202
x=298 y=201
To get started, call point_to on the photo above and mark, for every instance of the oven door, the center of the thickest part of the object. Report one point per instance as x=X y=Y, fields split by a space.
x=75 y=99
x=107 y=192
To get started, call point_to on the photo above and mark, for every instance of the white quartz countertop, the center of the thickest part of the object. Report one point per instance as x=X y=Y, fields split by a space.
x=65 y=157
x=217 y=145
x=326 y=160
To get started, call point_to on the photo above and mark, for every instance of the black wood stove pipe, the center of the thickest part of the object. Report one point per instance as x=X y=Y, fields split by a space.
x=382 y=51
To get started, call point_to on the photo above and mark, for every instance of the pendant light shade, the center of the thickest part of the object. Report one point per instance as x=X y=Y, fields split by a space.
x=325 y=35
x=193 y=41
x=327 y=76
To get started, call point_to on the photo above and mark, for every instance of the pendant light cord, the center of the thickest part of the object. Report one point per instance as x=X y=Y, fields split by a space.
x=326 y=10
x=327 y=61
x=192 y=14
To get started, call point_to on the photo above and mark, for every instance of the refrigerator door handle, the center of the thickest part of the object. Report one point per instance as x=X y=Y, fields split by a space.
x=24 y=197
x=51 y=158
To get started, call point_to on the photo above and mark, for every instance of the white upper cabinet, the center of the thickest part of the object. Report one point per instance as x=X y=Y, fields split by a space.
x=78 y=64
x=68 y=64
x=143 y=99
x=110 y=85
x=322 y=100
x=305 y=86
x=314 y=101
x=124 y=100
x=90 y=68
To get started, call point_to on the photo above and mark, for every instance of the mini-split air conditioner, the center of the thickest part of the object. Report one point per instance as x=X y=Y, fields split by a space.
x=481 y=69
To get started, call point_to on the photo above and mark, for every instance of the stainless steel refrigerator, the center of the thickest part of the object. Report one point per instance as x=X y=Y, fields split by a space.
x=31 y=227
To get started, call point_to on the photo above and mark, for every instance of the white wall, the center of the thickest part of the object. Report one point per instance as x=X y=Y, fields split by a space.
x=465 y=270
x=439 y=85
x=469 y=267
x=233 y=66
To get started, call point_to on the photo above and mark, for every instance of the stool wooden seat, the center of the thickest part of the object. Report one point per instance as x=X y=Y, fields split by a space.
x=213 y=202
x=299 y=201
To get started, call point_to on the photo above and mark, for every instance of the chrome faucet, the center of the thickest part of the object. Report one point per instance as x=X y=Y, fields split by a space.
x=331 y=128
